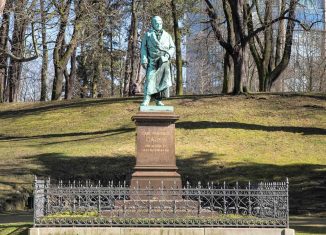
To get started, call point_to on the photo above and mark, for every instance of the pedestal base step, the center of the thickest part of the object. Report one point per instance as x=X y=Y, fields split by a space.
x=156 y=180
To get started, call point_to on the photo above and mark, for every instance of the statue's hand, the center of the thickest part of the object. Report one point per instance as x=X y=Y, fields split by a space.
x=164 y=59
x=144 y=66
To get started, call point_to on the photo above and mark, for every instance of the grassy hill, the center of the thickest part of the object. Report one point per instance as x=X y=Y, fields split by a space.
x=256 y=137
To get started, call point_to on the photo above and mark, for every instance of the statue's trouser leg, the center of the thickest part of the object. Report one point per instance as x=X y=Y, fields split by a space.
x=157 y=97
x=147 y=99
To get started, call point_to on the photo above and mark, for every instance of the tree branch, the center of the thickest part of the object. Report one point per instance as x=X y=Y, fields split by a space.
x=24 y=59
x=218 y=34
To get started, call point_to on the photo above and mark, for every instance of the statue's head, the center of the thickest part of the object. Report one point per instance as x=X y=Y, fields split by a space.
x=157 y=23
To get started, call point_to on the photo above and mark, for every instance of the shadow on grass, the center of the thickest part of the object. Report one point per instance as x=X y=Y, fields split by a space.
x=308 y=224
x=314 y=107
x=109 y=132
x=246 y=126
x=59 y=166
x=52 y=106
x=14 y=229
x=309 y=230
x=319 y=96
x=307 y=181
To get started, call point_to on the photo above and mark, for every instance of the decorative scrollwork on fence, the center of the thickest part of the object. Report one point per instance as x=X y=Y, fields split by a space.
x=76 y=204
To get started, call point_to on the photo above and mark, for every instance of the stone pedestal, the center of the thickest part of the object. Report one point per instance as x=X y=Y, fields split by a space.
x=155 y=150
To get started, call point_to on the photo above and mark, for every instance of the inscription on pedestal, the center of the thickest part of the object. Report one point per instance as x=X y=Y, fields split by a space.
x=155 y=142
x=155 y=145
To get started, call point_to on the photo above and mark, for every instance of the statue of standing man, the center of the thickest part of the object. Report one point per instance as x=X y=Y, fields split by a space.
x=157 y=49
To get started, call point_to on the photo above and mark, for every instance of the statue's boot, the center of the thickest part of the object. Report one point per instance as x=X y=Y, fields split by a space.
x=159 y=103
x=146 y=100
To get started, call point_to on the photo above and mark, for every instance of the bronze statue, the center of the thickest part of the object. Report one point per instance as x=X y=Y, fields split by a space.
x=157 y=49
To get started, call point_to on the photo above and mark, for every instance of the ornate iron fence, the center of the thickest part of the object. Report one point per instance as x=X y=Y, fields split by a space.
x=76 y=204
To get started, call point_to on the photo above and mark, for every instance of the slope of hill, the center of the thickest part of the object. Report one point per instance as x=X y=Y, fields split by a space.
x=256 y=137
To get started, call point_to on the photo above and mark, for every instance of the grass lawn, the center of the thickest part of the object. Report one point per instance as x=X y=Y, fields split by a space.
x=256 y=137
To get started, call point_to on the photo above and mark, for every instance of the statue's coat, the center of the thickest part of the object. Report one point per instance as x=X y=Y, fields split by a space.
x=157 y=54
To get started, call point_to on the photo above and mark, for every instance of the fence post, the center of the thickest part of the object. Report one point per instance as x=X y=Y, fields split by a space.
x=287 y=203
x=60 y=194
x=74 y=190
x=149 y=198
x=274 y=199
x=237 y=198
x=260 y=188
x=47 y=183
x=99 y=200
x=35 y=201
x=249 y=198
x=39 y=199
x=199 y=201
x=224 y=199
x=211 y=190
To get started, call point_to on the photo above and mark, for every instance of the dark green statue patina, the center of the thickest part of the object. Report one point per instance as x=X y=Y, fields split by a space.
x=157 y=50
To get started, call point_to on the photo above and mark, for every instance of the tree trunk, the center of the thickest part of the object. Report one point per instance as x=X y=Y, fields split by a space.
x=322 y=79
x=94 y=93
x=134 y=56
x=4 y=33
x=228 y=74
x=18 y=45
x=57 y=83
x=59 y=65
x=121 y=81
x=63 y=52
x=228 y=82
x=70 y=79
x=268 y=48
x=240 y=73
x=127 y=74
x=245 y=69
x=98 y=67
x=84 y=77
x=177 y=35
x=237 y=76
x=45 y=54
x=132 y=44
x=111 y=63
x=280 y=41
x=236 y=15
x=279 y=69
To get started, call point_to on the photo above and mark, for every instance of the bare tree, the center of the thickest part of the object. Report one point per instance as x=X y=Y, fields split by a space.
x=270 y=61
x=237 y=14
x=131 y=52
x=63 y=51
x=4 y=34
x=22 y=18
x=177 y=36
